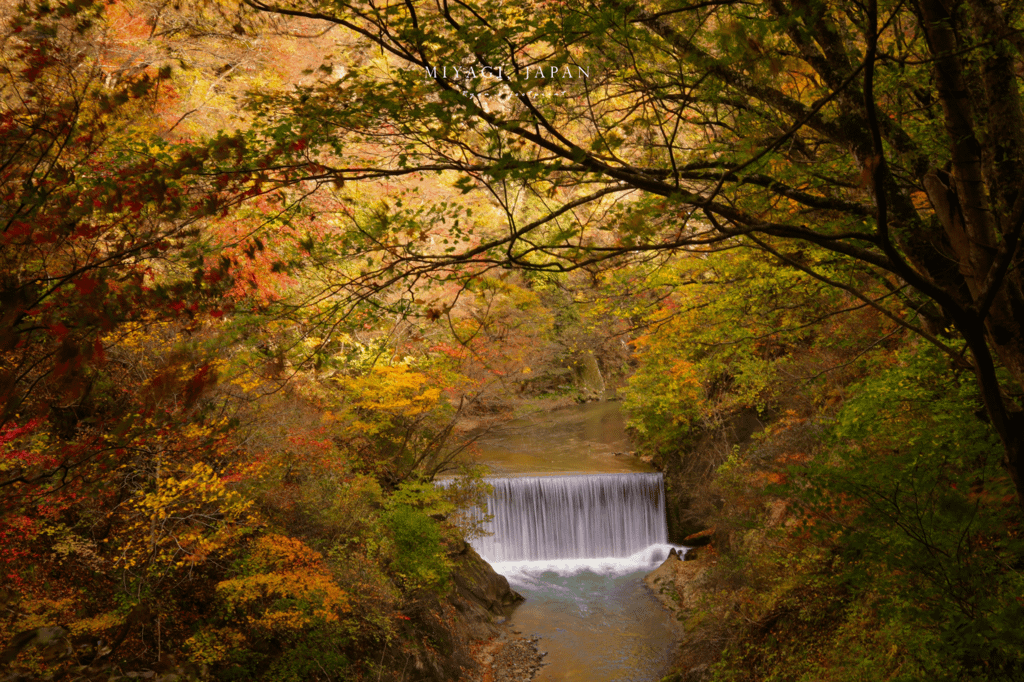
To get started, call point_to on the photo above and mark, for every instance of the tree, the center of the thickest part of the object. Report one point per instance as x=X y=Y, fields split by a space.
x=109 y=443
x=100 y=241
x=154 y=430
x=888 y=134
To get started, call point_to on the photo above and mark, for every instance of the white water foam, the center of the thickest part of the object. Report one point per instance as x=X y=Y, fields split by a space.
x=524 y=573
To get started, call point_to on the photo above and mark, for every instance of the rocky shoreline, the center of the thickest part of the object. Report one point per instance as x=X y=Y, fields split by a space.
x=510 y=656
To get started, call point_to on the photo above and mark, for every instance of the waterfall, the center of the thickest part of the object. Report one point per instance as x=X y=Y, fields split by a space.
x=573 y=517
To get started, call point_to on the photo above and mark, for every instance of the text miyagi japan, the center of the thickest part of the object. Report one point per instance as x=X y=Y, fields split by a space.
x=496 y=73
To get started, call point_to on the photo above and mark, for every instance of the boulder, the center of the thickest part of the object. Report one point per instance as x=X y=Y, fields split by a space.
x=483 y=598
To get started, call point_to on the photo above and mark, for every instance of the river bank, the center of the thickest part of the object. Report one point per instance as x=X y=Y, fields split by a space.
x=509 y=656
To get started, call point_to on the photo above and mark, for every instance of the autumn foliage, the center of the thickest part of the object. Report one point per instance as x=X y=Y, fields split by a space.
x=143 y=487
x=256 y=264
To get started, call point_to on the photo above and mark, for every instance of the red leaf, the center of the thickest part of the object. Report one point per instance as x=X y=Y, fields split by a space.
x=86 y=285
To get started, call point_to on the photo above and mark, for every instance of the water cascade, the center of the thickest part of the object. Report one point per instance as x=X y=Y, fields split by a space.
x=543 y=518
x=577 y=545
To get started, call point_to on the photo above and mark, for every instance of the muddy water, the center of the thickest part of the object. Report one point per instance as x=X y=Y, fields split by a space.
x=597 y=620
x=588 y=438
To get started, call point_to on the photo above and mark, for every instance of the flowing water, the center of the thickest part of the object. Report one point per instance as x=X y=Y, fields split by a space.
x=597 y=620
x=573 y=517
x=577 y=546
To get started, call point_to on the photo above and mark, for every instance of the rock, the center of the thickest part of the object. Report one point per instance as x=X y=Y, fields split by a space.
x=445 y=648
x=52 y=638
x=517 y=661
x=588 y=377
x=483 y=598
x=664 y=574
x=676 y=583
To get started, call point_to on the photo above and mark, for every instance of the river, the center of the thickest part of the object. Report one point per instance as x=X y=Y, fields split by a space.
x=597 y=620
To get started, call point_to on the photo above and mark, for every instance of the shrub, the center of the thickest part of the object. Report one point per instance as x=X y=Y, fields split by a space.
x=419 y=554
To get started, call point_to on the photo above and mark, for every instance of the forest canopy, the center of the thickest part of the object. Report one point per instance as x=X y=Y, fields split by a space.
x=883 y=136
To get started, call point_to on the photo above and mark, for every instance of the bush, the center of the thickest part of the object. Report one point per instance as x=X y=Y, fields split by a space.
x=925 y=519
x=419 y=554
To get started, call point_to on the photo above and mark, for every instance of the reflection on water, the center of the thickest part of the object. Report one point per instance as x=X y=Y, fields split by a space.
x=597 y=620
x=580 y=438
